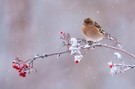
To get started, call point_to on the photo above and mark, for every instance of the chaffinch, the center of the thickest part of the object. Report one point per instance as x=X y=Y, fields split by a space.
x=92 y=31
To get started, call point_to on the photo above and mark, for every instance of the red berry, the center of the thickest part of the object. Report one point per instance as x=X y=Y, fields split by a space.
x=110 y=66
x=23 y=74
x=61 y=33
x=26 y=66
x=20 y=70
x=14 y=66
x=76 y=61
x=17 y=68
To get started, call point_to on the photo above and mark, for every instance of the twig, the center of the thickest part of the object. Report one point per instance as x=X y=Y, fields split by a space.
x=116 y=48
x=46 y=55
x=95 y=45
x=110 y=47
x=74 y=47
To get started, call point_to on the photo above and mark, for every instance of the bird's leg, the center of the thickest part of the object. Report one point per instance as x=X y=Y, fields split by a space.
x=90 y=42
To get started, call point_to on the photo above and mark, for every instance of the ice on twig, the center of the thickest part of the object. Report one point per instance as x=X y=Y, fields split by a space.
x=117 y=55
x=74 y=42
x=120 y=46
x=119 y=68
x=77 y=58
x=86 y=46
x=36 y=55
x=65 y=37
x=58 y=55
x=75 y=50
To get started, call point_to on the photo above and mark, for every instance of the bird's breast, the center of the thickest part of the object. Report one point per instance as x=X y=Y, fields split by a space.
x=92 y=33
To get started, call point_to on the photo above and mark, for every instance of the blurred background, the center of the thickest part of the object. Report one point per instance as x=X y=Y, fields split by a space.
x=28 y=27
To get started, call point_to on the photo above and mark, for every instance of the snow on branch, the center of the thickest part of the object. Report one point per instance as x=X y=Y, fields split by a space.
x=74 y=47
x=119 y=68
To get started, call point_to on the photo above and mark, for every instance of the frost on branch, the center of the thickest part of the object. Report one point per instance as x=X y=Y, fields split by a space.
x=119 y=68
x=65 y=37
x=75 y=50
x=74 y=47
x=117 y=55
x=115 y=42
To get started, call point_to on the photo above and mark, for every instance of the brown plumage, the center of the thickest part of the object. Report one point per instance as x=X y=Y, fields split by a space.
x=92 y=31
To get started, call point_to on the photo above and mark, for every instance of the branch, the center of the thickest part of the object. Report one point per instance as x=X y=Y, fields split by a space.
x=74 y=47
x=58 y=54
x=47 y=55
x=117 y=49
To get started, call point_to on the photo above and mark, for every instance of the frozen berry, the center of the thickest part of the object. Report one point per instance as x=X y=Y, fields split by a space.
x=20 y=70
x=61 y=33
x=76 y=61
x=14 y=66
x=110 y=65
x=23 y=74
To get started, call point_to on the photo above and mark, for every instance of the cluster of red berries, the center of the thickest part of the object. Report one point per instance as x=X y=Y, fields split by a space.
x=22 y=67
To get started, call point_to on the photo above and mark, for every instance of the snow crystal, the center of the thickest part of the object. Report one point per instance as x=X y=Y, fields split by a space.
x=78 y=57
x=86 y=46
x=118 y=55
x=36 y=55
x=97 y=12
x=58 y=55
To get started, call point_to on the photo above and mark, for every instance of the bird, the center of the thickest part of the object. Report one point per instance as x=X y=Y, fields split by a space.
x=92 y=31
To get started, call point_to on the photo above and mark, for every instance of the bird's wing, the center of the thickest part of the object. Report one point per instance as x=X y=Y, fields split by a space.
x=100 y=28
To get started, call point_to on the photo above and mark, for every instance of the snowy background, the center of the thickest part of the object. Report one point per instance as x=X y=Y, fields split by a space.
x=28 y=27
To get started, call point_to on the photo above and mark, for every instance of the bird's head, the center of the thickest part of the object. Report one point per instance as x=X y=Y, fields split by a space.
x=88 y=21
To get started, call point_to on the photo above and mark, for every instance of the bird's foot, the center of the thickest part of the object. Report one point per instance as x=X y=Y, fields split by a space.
x=91 y=43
